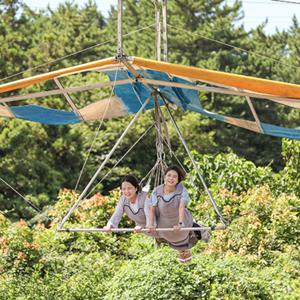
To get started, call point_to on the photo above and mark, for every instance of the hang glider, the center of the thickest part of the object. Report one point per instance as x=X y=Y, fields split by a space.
x=134 y=80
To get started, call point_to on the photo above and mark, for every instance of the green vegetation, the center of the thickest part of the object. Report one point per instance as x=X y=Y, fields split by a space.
x=254 y=178
x=257 y=257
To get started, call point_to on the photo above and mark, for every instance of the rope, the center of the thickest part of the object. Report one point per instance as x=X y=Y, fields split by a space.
x=182 y=166
x=77 y=52
x=238 y=49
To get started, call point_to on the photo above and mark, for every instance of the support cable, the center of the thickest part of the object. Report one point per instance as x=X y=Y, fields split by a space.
x=127 y=152
x=193 y=161
x=103 y=163
x=33 y=206
x=77 y=52
x=98 y=131
x=238 y=49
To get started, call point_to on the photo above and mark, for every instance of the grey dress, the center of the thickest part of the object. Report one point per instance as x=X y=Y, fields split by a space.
x=140 y=216
x=167 y=215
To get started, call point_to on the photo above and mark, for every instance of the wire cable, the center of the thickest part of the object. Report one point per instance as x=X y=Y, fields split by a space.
x=99 y=128
x=75 y=53
x=126 y=153
x=23 y=197
x=238 y=49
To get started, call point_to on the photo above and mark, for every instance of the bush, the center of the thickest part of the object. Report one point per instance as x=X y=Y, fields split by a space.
x=160 y=276
x=266 y=225
x=68 y=278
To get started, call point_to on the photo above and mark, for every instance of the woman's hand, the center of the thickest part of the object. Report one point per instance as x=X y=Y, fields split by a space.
x=137 y=229
x=151 y=229
x=177 y=227
x=107 y=228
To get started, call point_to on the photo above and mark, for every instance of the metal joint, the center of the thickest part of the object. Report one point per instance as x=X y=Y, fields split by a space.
x=121 y=57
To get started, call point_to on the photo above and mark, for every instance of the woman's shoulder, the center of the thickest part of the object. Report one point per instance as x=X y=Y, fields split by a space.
x=123 y=200
x=142 y=195
x=158 y=189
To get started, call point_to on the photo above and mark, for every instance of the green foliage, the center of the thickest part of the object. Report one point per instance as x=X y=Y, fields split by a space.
x=71 y=277
x=227 y=176
x=269 y=225
x=228 y=171
x=289 y=177
x=156 y=276
x=257 y=257
x=19 y=252
x=159 y=276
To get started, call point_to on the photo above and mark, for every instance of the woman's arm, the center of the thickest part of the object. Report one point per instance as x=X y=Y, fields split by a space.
x=181 y=212
x=180 y=216
x=152 y=227
x=116 y=217
x=152 y=221
x=147 y=206
x=183 y=202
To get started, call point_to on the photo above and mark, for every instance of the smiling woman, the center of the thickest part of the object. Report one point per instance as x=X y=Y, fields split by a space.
x=168 y=209
x=134 y=203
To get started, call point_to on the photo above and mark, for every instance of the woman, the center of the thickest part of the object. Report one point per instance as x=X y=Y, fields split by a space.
x=134 y=203
x=168 y=208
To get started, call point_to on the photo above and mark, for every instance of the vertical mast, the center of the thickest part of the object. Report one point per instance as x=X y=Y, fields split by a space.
x=165 y=29
x=120 y=29
x=158 y=30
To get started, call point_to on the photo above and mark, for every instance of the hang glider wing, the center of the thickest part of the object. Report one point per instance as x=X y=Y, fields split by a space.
x=134 y=80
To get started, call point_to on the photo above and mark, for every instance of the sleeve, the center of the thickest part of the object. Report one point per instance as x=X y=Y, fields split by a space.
x=153 y=199
x=147 y=206
x=117 y=215
x=185 y=196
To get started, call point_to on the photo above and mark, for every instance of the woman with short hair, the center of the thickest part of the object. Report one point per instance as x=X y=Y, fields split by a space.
x=168 y=209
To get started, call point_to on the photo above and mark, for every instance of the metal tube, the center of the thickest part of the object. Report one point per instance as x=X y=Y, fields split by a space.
x=254 y=114
x=165 y=29
x=142 y=230
x=103 y=163
x=158 y=31
x=68 y=98
x=193 y=162
x=120 y=29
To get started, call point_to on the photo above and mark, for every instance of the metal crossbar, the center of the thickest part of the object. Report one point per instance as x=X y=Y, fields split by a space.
x=101 y=230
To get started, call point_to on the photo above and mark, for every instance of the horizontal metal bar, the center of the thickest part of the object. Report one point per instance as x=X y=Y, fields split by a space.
x=227 y=91
x=222 y=227
x=285 y=101
x=65 y=90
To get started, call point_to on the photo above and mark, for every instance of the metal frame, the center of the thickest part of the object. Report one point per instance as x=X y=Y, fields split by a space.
x=122 y=58
x=68 y=98
x=101 y=230
x=158 y=31
x=193 y=161
x=120 y=29
x=257 y=121
x=80 y=198
x=165 y=29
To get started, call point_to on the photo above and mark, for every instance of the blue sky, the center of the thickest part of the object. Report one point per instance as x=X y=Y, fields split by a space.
x=279 y=14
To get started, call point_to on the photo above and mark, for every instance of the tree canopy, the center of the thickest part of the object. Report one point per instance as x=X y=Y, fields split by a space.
x=254 y=178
